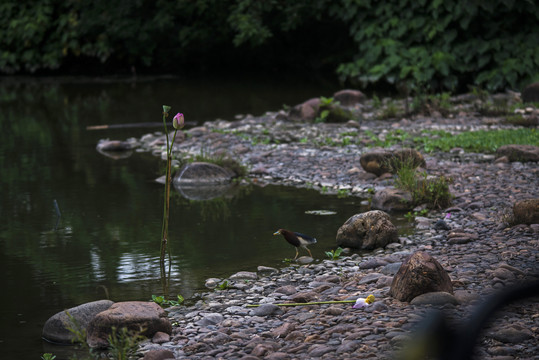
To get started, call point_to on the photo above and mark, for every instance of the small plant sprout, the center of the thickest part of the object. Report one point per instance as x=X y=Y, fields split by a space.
x=334 y=254
x=160 y=300
x=48 y=356
x=224 y=285
x=410 y=216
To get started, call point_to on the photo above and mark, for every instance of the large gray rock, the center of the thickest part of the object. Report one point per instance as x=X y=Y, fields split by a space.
x=392 y=199
x=522 y=153
x=133 y=315
x=56 y=327
x=381 y=162
x=419 y=274
x=367 y=231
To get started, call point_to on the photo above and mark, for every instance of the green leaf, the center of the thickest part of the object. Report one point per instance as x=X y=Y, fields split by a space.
x=158 y=299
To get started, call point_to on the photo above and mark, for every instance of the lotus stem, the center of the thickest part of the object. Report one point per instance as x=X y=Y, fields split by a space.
x=309 y=303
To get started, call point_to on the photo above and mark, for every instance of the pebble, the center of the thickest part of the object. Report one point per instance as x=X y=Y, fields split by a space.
x=480 y=253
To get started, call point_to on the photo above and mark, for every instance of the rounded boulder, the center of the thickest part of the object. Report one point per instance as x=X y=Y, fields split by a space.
x=369 y=230
x=419 y=274
x=140 y=317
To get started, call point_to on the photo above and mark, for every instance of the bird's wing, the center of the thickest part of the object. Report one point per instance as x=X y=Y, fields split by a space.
x=306 y=237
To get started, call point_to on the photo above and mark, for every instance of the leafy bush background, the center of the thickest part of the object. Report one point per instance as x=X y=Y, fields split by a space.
x=428 y=44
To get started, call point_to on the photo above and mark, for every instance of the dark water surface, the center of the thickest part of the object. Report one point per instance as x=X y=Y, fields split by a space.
x=107 y=242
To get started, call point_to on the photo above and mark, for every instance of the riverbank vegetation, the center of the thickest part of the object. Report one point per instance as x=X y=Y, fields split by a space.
x=412 y=46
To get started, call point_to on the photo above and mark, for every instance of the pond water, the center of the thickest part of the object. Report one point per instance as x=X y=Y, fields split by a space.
x=106 y=244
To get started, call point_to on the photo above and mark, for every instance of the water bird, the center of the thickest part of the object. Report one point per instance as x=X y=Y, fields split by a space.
x=296 y=239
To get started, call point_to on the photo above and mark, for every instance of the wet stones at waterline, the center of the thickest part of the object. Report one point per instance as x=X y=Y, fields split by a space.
x=420 y=273
x=369 y=230
x=381 y=162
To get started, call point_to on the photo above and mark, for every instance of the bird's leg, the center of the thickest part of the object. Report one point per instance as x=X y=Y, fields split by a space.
x=311 y=255
x=296 y=254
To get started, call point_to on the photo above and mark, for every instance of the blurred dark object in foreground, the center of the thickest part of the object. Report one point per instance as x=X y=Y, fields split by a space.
x=436 y=338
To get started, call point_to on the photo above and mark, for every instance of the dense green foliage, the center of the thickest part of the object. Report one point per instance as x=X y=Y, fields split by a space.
x=442 y=44
x=426 y=44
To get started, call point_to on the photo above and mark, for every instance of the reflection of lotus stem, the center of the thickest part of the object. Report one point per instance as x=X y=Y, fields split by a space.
x=310 y=303
x=58 y=214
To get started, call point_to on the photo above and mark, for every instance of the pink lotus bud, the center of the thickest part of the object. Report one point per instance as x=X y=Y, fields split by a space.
x=178 y=122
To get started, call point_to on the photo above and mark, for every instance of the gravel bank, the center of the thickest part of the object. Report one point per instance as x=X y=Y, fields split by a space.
x=487 y=257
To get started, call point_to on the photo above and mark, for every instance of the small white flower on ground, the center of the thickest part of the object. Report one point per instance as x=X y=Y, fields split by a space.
x=363 y=302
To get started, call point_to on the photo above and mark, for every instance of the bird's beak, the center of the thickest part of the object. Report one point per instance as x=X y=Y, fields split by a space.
x=277 y=233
